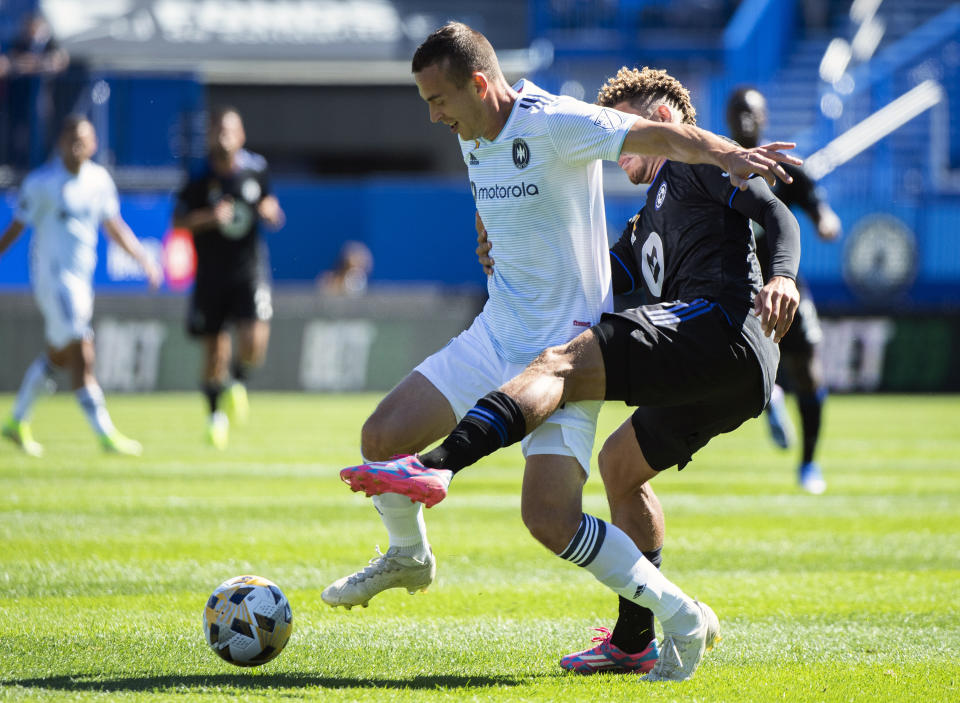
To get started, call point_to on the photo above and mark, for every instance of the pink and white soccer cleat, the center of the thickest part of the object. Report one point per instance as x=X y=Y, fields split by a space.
x=608 y=657
x=403 y=474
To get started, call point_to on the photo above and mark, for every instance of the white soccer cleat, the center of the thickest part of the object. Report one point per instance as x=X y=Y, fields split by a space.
x=681 y=654
x=385 y=571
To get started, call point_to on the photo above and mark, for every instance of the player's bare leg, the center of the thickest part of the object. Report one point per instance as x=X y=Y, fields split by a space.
x=253 y=337
x=216 y=361
x=631 y=647
x=551 y=501
x=37 y=380
x=562 y=374
x=552 y=510
x=410 y=417
x=692 y=628
x=566 y=373
x=78 y=358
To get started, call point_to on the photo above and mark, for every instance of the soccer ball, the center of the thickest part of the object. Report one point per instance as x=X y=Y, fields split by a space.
x=247 y=620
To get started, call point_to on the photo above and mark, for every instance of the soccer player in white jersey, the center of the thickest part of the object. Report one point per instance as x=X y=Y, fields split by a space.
x=64 y=202
x=534 y=166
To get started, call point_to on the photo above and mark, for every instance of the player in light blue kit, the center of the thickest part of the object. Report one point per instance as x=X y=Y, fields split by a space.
x=64 y=202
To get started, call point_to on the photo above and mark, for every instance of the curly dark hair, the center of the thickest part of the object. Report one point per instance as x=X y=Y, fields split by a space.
x=645 y=88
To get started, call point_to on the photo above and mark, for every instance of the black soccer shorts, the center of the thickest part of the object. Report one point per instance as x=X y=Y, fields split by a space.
x=217 y=301
x=689 y=370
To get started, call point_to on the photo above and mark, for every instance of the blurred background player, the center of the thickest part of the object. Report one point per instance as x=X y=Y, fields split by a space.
x=222 y=206
x=800 y=366
x=65 y=201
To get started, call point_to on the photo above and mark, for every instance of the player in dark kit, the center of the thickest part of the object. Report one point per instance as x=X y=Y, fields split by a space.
x=800 y=365
x=223 y=206
x=698 y=361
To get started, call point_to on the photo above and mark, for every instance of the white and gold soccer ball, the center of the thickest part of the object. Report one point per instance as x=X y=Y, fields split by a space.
x=247 y=620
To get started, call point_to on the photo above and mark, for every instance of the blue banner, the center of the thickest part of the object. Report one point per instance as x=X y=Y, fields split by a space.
x=890 y=256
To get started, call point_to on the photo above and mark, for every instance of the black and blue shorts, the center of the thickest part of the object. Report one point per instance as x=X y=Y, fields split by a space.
x=689 y=370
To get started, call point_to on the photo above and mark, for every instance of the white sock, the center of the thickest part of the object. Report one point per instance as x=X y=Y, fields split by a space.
x=403 y=519
x=37 y=379
x=611 y=556
x=94 y=407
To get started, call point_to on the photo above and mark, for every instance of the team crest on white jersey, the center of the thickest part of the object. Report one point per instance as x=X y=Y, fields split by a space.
x=661 y=195
x=608 y=120
x=521 y=153
x=652 y=263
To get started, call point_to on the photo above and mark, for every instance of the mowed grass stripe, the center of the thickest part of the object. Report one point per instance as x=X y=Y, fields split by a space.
x=106 y=563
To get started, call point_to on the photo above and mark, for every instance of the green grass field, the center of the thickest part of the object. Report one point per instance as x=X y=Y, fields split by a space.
x=106 y=562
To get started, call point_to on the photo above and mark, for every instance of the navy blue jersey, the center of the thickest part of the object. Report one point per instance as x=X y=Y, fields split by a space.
x=231 y=249
x=692 y=239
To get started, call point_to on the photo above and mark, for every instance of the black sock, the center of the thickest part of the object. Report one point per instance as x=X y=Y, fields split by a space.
x=239 y=371
x=495 y=421
x=212 y=390
x=634 y=630
x=811 y=410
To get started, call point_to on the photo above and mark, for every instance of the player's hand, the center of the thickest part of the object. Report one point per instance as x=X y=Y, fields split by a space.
x=762 y=161
x=483 y=247
x=270 y=212
x=828 y=227
x=223 y=211
x=154 y=273
x=775 y=305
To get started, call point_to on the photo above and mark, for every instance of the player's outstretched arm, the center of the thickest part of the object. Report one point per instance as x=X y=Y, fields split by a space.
x=120 y=232
x=777 y=301
x=10 y=234
x=690 y=144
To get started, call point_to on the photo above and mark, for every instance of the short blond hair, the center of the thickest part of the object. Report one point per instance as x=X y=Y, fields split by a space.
x=645 y=89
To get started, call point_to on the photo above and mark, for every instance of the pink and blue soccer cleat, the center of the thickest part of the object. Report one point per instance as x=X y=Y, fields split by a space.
x=608 y=657
x=403 y=474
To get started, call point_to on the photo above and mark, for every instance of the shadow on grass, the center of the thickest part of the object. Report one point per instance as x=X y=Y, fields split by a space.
x=153 y=683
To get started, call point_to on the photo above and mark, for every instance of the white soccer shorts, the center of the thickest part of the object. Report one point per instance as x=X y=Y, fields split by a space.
x=468 y=368
x=66 y=302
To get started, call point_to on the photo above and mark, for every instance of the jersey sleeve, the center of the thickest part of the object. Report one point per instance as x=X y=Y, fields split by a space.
x=781 y=229
x=28 y=202
x=623 y=266
x=583 y=133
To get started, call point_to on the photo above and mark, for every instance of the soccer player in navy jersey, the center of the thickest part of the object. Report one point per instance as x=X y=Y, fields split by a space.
x=223 y=206
x=698 y=361
x=799 y=359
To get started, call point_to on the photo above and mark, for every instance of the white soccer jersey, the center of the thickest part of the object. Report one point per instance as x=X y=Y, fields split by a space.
x=539 y=191
x=65 y=211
